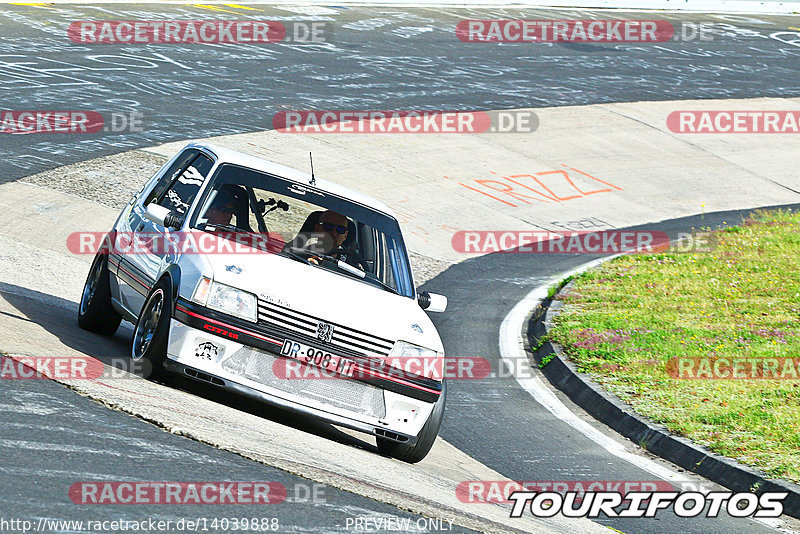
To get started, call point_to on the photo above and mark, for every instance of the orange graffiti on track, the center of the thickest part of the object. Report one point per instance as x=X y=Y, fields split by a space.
x=544 y=186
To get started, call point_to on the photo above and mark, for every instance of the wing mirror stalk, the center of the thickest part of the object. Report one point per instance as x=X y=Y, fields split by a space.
x=163 y=216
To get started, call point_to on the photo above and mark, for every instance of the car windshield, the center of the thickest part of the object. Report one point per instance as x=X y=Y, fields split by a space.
x=308 y=225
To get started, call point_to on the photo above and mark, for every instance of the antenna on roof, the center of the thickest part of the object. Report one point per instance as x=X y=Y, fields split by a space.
x=313 y=180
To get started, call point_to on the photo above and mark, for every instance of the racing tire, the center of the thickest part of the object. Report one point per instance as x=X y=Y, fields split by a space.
x=150 y=337
x=95 y=312
x=427 y=436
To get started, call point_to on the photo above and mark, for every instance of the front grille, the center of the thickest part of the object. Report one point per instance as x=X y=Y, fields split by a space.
x=257 y=365
x=302 y=323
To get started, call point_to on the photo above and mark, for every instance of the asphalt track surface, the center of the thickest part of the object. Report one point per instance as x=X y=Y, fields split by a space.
x=522 y=439
x=379 y=59
x=53 y=438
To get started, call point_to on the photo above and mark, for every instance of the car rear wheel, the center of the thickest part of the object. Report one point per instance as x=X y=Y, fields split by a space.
x=152 y=331
x=427 y=436
x=95 y=312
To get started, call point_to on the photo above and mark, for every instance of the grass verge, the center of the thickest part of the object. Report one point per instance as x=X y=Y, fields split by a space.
x=633 y=322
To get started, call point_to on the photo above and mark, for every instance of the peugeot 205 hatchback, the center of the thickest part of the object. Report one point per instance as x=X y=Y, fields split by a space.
x=262 y=280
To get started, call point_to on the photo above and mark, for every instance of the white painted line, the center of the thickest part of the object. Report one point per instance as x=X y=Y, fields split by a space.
x=512 y=349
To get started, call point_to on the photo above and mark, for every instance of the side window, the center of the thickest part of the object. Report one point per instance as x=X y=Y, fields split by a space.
x=181 y=193
x=166 y=179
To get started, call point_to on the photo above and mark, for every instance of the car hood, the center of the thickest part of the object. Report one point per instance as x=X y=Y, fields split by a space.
x=332 y=297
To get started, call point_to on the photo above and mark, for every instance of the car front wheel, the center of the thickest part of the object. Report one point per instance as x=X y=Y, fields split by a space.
x=152 y=331
x=427 y=436
x=95 y=312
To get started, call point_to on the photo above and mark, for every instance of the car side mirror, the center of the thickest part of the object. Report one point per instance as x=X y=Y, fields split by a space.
x=432 y=302
x=162 y=216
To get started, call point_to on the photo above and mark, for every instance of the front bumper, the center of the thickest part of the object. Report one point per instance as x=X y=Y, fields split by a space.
x=270 y=339
x=289 y=405
x=231 y=354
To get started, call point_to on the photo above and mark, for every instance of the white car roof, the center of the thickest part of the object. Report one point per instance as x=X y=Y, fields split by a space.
x=227 y=155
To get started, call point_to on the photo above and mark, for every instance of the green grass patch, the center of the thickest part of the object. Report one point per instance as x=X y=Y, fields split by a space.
x=624 y=321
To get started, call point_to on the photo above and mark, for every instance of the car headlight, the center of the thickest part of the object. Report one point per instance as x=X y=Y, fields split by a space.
x=226 y=299
x=418 y=360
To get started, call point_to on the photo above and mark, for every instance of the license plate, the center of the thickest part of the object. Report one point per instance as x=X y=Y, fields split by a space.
x=317 y=357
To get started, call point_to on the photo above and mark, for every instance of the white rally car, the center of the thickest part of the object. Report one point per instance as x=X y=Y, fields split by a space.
x=262 y=280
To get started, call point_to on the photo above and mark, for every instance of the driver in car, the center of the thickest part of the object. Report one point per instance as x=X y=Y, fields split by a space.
x=229 y=204
x=221 y=211
x=332 y=228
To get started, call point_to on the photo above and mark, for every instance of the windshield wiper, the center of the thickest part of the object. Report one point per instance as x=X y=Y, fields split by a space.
x=355 y=271
x=306 y=254
x=384 y=286
x=298 y=254
x=294 y=255
x=229 y=227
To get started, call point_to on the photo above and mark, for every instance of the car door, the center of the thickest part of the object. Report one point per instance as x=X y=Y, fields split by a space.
x=126 y=283
x=176 y=191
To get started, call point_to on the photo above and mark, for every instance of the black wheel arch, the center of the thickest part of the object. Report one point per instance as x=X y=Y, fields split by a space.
x=173 y=275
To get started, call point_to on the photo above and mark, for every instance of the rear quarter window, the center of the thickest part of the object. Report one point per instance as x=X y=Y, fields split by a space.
x=185 y=186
